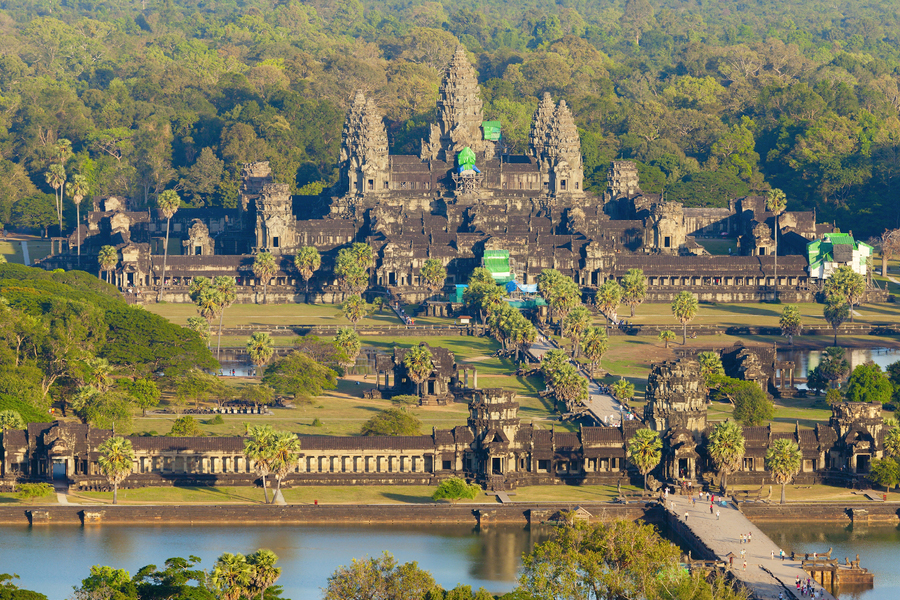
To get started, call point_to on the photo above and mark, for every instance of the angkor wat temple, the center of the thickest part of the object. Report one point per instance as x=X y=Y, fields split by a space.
x=412 y=208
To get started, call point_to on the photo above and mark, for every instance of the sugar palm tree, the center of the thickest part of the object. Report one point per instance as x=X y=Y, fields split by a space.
x=227 y=292
x=200 y=326
x=285 y=450
x=776 y=202
x=260 y=349
x=419 y=365
x=634 y=288
x=231 y=576
x=594 y=345
x=576 y=323
x=791 y=323
x=116 y=461
x=892 y=442
x=354 y=308
x=783 y=459
x=258 y=448
x=108 y=259
x=56 y=178
x=209 y=303
x=78 y=189
x=347 y=340
x=307 y=261
x=666 y=336
x=684 y=308
x=623 y=390
x=726 y=448
x=168 y=203
x=264 y=574
x=609 y=295
x=645 y=451
x=434 y=274
x=265 y=267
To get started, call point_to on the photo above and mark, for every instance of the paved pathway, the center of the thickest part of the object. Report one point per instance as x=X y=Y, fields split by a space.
x=765 y=576
x=26 y=260
x=599 y=404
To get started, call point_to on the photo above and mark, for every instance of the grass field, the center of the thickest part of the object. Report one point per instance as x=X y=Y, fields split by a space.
x=12 y=250
x=809 y=493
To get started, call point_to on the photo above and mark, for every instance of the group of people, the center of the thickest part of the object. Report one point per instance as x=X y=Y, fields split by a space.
x=808 y=590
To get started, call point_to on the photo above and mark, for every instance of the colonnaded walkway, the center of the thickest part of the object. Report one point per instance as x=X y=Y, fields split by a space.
x=765 y=576
x=600 y=404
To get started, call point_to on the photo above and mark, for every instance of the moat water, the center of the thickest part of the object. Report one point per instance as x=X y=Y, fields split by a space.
x=806 y=360
x=52 y=559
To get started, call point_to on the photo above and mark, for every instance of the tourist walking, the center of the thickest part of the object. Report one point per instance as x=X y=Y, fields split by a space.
x=710 y=509
x=749 y=537
x=745 y=565
x=685 y=517
x=717 y=515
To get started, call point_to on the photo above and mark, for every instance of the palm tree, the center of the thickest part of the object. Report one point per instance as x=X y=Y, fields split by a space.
x=634 y=288
x=307 y=261
x=168 y=203
x=56 y=178
x=522 y=333
x=434 y=274
x=108 y=259
x=78 y=188
x=258 y=447
x=726 y=448
x=576 y=323
x=116 y=462
x=209 y=303
x=260 y=349
x=285 y=450
x=845 y=285
x=836 y=312
x=609 y=295
x=354 y=308
x=684 y=308
x=623 y=390
x=231 y=576
x=776 y=202
x=419 y=365
x=790 y=322
x=594 y=345
x=784 y=459
x=892 y=442
x=347 y=341
x=666 y=336
x=265 y=573
x=645 y=451
x=226 y=289
x=264 y=268
x=200 y=326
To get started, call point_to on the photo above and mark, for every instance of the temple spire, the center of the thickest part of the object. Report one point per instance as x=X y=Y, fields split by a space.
x=459 y=112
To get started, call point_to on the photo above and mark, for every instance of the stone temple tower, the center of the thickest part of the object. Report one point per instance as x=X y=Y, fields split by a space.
x=364 y=162
x=275 y=223
x=563 y=152
x=540 y=126
x=460 y=113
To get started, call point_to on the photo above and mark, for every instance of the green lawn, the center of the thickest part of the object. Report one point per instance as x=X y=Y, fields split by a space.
x=718 y=246
x=807 y=493
x=12 y=250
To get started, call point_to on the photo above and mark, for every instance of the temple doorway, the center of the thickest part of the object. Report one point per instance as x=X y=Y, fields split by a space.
x=59 y=468
x=495 y=466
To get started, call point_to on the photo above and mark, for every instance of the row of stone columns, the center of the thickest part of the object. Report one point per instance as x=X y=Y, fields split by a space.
x=362 y=464
x=197 y=464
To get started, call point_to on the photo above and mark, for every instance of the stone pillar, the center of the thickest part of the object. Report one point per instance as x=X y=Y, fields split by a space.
x=466 y=374
x=475 y=379
x=377 y=380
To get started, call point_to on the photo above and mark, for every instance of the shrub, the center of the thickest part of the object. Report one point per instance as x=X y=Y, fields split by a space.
x=316 y=422
x=454 y=489
x=393 y=421
x=185 y=427
x=216 y=420
x=30 y=491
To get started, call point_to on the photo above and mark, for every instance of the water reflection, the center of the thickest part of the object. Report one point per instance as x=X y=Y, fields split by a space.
x=807 y=360
x=876 y=545
x=308 y=554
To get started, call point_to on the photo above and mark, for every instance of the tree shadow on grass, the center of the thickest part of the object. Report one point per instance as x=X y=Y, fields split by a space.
x=407 y=498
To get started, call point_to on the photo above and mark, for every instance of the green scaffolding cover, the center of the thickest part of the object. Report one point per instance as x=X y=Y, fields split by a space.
x=491 y=130
x=497 y=262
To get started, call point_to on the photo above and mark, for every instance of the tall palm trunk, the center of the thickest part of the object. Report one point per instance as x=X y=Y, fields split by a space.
x=684 y=334
x=776 y=256
x=265 y=489
x=782 y=492
x=162 y=285
x=78 y=229
x=219 y=341
x=115 y=493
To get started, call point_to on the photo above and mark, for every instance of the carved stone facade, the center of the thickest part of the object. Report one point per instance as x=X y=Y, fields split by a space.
x=199 y=243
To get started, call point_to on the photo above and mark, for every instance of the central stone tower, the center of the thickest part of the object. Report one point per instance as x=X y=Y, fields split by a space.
x=460 y=113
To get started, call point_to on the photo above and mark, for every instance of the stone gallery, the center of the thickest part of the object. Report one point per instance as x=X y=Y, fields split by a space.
x=462 y=196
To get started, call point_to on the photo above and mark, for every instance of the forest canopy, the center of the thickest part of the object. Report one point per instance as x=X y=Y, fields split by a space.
x=712 y=99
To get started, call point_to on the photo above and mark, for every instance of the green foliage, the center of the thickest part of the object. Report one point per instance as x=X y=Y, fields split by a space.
x=885 y=472
x=791 y=323
x=10 y=419
x=299 y=376
x=710 y=367
x=833 y=366
x=26 y=411
x=623 y=390
x=187 y=426
x=9 y=591
x=868 y=383
x=354 y=308
x=454 y=489
x=666 y=336
x=726 y=448
x=143 y=392
x=379 y=577
x=816 y=381
x=751 y=406
x=783 y=460
x=31 y=491
x=116 y=461
x=684 y=309
x=644 y=451
x=392 y=421
x=216 y=420
x=833 y=396
x=317 y=422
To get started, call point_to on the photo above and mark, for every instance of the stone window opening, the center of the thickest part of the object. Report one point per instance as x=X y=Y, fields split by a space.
x=748 y=464
x=562 y=185
x=275 y=242
x=667 y=242
x=762 y=251
x=387 y=185
x=577 y=185
x=371 y=183
x=198 y=250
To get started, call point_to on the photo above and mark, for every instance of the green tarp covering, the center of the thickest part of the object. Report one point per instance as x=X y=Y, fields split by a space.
x=491 y=130
x=497 y=262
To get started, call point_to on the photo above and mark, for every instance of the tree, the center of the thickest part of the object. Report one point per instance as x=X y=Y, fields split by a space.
x=405 y=401
x=434 y=274
x=868 y=383
x=666 y=336
x=56 y=178
x=285 y=451
x=644 y=451
x=710 y=367
x=575 y=325
x=594 y=345
x=836 y=313
x=116 y=461
x=419 y=365
x=816 y=381
x=833 y=366
x=186 y=426
x=783 y=460
x=845 y=286
x=726 y=449
x=347 y=341
x=352 y=267
x=108 y=258
x=226 y=292
x=634 y=288
x=833 y=396
x=885 y=472
x=10 y=419
x=392 y=421
x=380 y=578
x=892 y=442
x=354 y=308
x=608 y=297
x=307 y=262
x=264 y=269
x=776 y=203
x=623 y=390
x=300 y=376
x=168 y=204
x=560 y=293
x=261 y=349
x=78 y=189
x=179 y=579
x=636 y=19
x=259 y=448
x=454 y=489
x=28 y=492
x=8 y=591
x=791 y=324
x=751 y=405
x=264 y=573
x=144 y=392
x=231 y=576
x=890 y=246
x=200 y=326
x=684 y=308
x=485 y=297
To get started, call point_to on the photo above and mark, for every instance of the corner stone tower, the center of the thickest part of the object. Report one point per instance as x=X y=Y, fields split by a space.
x=676 y=397
x=364 y=162
x=460 y=113
x=540 y=126
x=275 y=223
x=563 y=151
